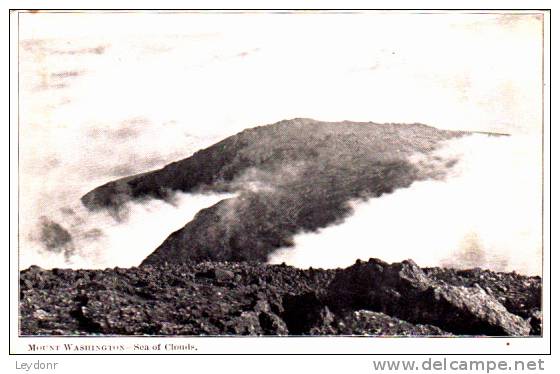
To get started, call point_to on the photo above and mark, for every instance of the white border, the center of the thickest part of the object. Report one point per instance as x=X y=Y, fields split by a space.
x=291 y=345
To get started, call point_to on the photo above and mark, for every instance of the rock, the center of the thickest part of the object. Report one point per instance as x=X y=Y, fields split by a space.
x=223 y=275
x=361 y=285
x=272 y=324
x=306 y=312
x=40 y=315
x=536 y=322
x=469 y=311
x=246 y=324
x=404 y=291
x=92 y=286
x=372 y=298
x=519 y=294
x=25 y=284
x=365 y=322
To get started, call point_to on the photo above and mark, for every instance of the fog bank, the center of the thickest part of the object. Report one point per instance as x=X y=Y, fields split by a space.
x=485 y=213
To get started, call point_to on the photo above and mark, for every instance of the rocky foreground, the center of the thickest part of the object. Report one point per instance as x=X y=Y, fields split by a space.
x=221 y=298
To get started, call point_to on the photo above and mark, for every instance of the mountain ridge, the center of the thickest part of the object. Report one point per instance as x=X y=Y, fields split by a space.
x=291 y=176
x=114 y=193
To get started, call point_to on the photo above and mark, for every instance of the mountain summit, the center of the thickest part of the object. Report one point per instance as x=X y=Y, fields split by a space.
x=292 y=176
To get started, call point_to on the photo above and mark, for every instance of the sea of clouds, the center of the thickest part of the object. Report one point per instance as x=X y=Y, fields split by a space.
x=99 y=101
x=485 y=213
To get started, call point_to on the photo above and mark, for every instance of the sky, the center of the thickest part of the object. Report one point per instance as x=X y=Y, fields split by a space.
x=477 y=71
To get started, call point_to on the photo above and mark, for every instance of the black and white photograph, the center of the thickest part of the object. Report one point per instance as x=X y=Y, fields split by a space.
x=265 y=174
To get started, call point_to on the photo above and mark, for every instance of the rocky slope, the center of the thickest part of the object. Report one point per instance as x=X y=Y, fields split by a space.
x=292 y=176
x=239 y=298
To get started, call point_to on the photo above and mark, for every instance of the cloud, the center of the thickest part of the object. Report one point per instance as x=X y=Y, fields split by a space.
x=485 y=213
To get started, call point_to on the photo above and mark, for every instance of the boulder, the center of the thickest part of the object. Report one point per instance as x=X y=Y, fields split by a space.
x=307 y=314
x=404 y=291
x=366 y=322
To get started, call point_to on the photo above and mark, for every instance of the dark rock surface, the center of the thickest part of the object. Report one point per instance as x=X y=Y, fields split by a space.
x=239 y=298
x=520 y=295
x=405 y=291
x=366 y=322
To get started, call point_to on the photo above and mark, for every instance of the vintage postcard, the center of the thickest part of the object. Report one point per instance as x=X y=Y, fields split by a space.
x=260 y=181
